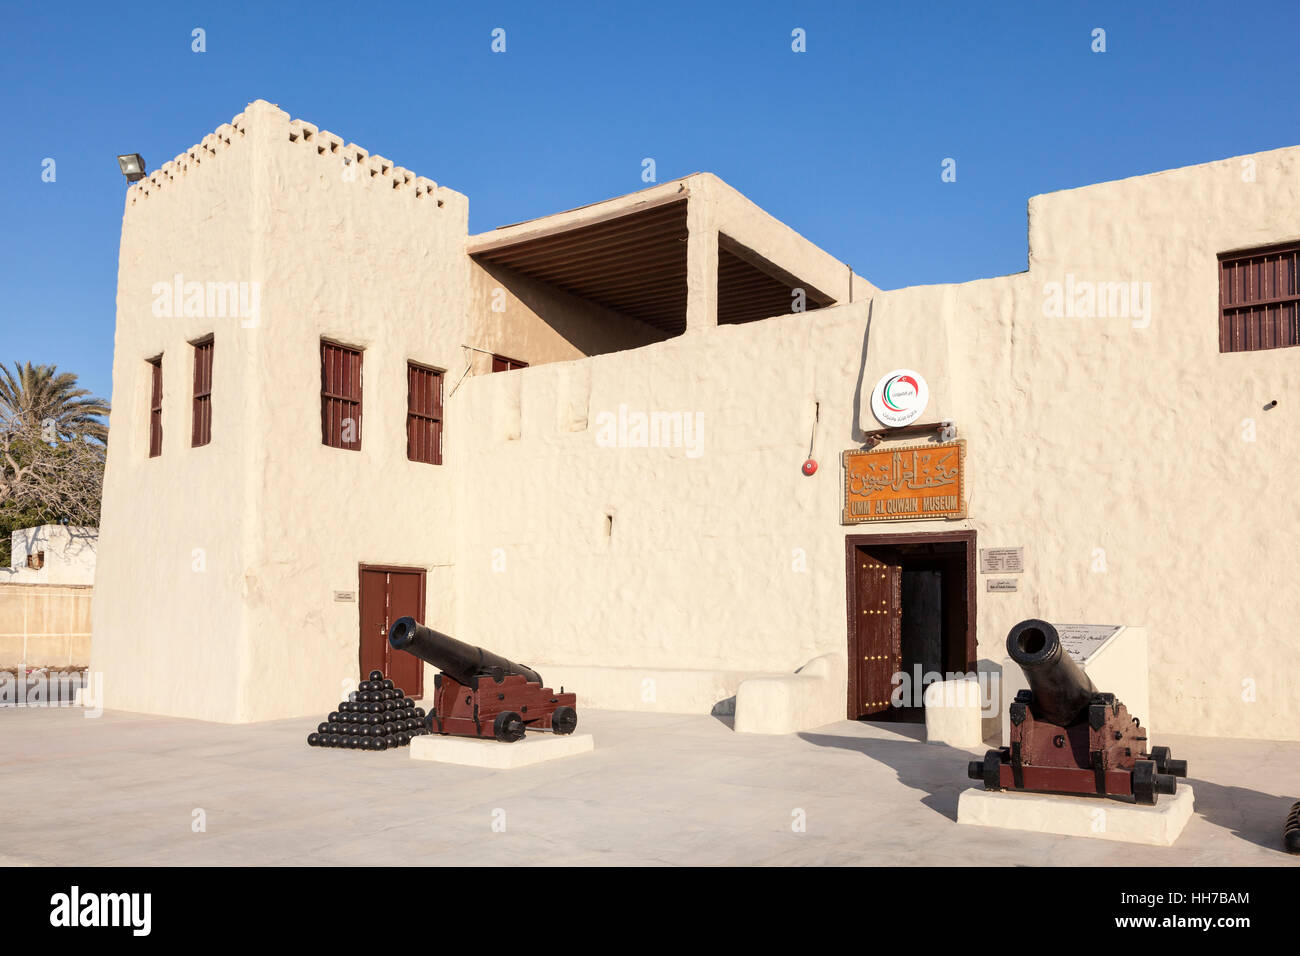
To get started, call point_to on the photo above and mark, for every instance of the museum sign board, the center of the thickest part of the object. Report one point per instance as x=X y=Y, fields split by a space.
x=902 y=484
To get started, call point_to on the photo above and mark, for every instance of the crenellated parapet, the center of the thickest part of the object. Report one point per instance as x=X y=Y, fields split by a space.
x=324 y=145
x=369 y=166
x=211 y=146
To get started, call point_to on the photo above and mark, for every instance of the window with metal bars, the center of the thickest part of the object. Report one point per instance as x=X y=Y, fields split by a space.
x=201 y=429
x=423 y=414
x=502 y=364
x=340 y=396
x=155 y=407
x=1259 y=301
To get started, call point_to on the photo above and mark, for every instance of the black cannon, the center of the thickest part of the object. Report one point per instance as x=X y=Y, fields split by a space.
x=1067 y=737
x=481 y=694
x=1060 y=689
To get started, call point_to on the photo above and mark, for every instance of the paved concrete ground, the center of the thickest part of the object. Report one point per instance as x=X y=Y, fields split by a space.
x=659 y=789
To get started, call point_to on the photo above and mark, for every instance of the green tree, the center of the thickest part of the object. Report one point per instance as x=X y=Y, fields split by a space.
x=44 y=397
x=52 y=448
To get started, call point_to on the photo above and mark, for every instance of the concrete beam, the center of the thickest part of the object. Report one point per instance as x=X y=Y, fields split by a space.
x=701 y=259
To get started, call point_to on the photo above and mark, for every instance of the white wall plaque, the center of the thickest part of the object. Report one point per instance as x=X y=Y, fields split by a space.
x=1002 y=560
x=345 y=596
x=1003 y=584
x=1081 y=641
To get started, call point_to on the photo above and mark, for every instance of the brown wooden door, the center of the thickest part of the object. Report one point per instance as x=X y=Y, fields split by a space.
x=386 y=595
x=878 y=594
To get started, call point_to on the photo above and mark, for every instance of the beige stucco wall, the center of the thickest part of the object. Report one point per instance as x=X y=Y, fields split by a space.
x=281 y=521
x=175 y=530
x=1130 y=439
x=377 y=267
x=700 y=573
x=44 y=625
x=1114 y=454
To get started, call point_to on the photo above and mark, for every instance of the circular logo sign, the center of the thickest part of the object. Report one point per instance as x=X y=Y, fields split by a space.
x=899 y=398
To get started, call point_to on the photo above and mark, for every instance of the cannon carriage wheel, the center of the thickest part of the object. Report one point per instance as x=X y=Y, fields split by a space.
x=564 y=720
x=508 y=727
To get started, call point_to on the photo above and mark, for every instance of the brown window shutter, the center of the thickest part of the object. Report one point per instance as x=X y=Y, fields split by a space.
x=340 y=405
x=502 y=364
x=423 y=414
x=155 y=407
x=201 y=430
x=1259 y=298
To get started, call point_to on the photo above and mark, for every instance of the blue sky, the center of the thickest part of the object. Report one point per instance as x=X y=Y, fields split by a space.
x=844 y=142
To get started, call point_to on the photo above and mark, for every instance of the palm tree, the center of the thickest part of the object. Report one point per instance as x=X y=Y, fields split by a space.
x=37 y=394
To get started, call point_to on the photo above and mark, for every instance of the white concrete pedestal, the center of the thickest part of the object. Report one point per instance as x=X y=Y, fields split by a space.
x=1078 y=816
x=494 y=755
x=788 y=703
x=954 y=713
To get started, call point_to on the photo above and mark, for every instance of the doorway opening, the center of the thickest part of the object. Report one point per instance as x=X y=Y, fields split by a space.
x=911 y=612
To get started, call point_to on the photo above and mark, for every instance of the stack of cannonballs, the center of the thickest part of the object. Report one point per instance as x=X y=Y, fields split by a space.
x=377 y=717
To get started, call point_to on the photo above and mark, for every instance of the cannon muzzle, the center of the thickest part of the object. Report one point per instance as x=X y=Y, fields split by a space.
x=460 y=661
x=1061 y=689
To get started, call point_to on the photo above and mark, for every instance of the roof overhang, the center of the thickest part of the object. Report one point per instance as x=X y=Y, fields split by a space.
x=751 y=287
x=629 y=257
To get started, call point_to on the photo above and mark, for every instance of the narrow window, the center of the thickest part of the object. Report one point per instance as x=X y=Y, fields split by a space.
x=155 y=407
x=201 y=432
x=340 y=396
x=423 y=414
x=502 y=364
x=36 y=560
x=1259 y=301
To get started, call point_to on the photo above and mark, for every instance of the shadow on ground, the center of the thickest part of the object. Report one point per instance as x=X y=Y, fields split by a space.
x=1251 y=815
x=936 y=769
x=940 y=771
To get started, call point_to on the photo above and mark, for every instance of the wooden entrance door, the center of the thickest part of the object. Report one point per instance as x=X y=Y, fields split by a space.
x=876 y=633
x=386 y=595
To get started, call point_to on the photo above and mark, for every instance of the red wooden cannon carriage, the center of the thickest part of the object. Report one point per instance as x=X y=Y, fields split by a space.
x=481 y=694
x=1066 y=737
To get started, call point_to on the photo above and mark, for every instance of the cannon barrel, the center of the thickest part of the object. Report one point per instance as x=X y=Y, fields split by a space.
x=460 y=661
x=1061 y=689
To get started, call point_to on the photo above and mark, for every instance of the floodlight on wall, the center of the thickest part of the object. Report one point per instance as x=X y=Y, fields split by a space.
x=132 y=166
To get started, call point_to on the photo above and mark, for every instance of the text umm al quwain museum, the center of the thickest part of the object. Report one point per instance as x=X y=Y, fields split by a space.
x=676 y=457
